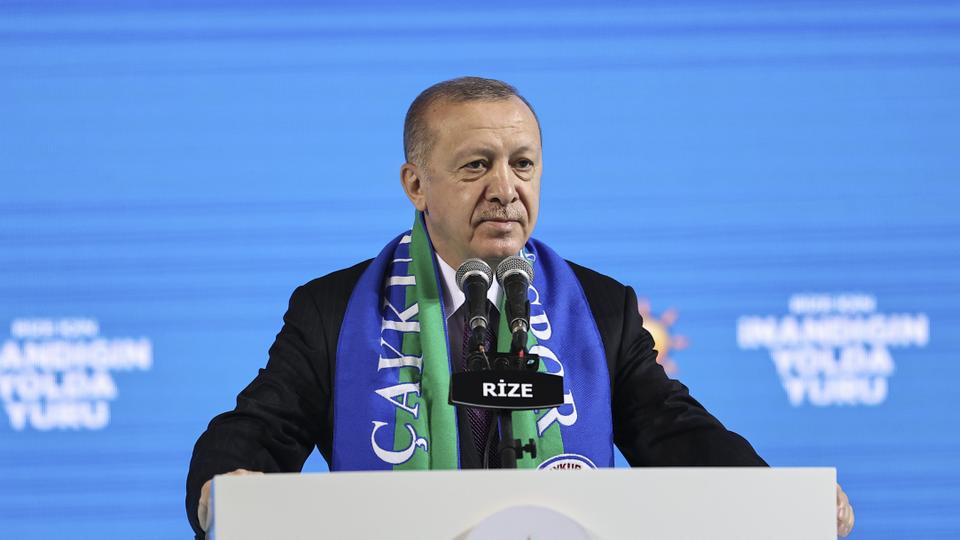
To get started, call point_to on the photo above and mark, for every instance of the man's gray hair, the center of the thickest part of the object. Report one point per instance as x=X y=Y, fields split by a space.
x=416 y=133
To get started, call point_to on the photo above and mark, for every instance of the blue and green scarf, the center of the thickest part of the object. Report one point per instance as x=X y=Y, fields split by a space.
x=393 y=367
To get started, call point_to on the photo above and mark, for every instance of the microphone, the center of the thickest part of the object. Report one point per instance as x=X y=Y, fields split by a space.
x=515 y=274
x=474 y=277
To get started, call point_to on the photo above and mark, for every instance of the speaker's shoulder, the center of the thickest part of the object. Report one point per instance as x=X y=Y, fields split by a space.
x=594 y=282
x=605 y=295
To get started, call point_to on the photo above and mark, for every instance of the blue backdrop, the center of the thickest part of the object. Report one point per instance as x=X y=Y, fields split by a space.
x=778 y=180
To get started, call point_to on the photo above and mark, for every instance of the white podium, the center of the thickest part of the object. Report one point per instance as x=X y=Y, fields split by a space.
x=609 y=504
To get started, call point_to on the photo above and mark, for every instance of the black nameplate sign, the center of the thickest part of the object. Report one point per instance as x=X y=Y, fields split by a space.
x=506 y=389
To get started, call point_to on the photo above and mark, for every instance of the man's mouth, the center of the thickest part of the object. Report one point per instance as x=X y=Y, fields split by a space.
x=501 y=224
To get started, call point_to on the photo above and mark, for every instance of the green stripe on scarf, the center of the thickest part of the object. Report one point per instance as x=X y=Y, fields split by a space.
x=437 y=419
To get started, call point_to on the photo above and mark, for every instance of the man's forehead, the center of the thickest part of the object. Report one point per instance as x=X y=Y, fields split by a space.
x=455 y=121
x=485 y=114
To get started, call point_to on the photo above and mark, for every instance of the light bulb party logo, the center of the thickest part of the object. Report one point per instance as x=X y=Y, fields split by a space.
x=832 y=350
x=664 y=341
x=57 y=374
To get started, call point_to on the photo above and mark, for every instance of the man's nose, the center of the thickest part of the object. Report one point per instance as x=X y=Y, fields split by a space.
x=501 y=187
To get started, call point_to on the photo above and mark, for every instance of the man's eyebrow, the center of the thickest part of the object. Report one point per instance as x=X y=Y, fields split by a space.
x=524 y=148
x=487 y=150
x=481 y=149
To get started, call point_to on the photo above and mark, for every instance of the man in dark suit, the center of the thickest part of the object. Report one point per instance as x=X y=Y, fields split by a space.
x=473 y=169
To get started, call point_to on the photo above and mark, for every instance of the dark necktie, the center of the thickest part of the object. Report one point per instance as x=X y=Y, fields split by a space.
x=480 y=419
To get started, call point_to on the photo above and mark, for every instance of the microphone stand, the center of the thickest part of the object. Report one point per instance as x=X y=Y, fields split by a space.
x=511 y=449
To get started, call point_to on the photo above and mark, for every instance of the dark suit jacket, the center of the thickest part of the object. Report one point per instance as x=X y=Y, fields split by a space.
x=288 y=408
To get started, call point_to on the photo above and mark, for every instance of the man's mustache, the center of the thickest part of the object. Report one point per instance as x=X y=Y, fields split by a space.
x=500 y=213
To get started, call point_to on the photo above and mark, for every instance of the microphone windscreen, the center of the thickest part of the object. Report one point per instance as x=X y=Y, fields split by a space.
x=514 y=264
x=473 y=267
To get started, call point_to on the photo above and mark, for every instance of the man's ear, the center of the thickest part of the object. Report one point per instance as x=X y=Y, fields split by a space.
x=413 y=185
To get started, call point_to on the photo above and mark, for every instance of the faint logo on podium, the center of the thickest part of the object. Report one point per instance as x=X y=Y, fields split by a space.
x=527 y=523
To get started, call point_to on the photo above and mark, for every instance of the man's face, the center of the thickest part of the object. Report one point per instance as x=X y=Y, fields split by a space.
x=479 y=187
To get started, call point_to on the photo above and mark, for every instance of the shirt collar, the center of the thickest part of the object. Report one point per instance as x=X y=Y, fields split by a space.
x=453 y=297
